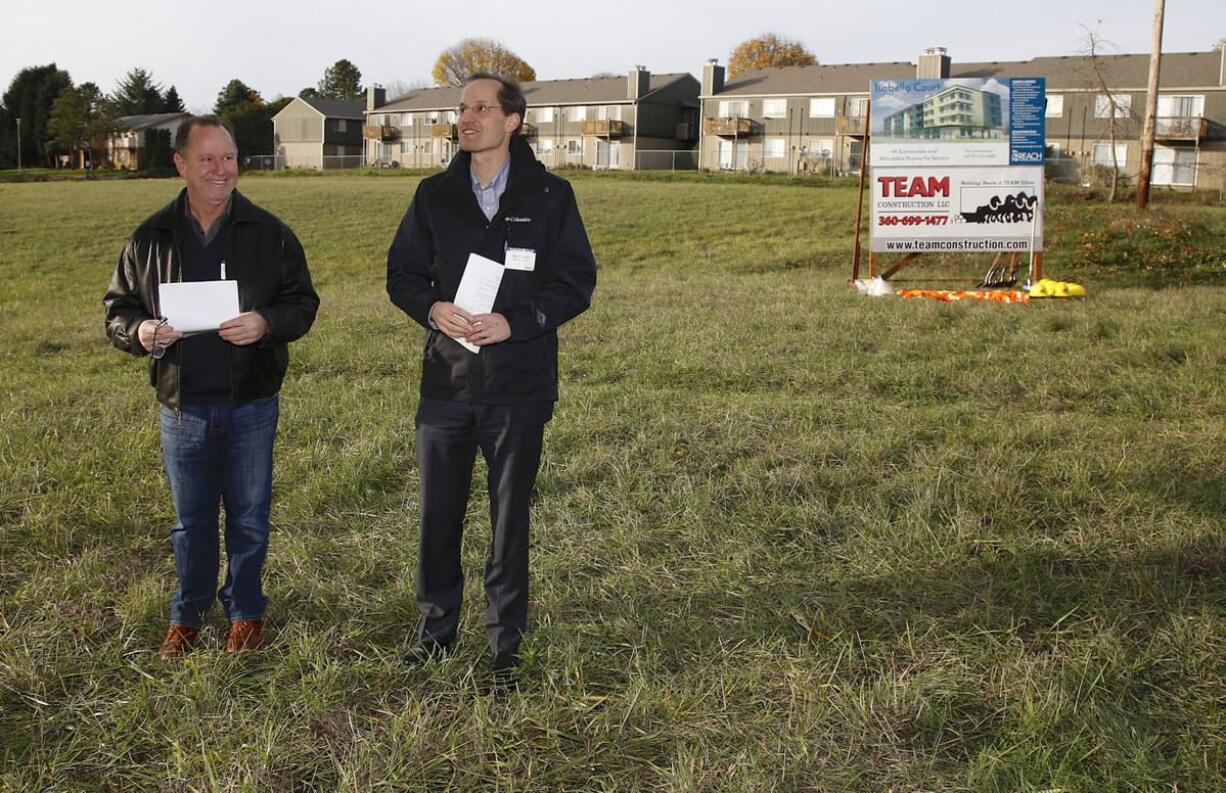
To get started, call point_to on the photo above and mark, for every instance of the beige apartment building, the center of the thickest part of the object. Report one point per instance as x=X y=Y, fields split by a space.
x=814 y=118
x=640 y=121
x=318 y=133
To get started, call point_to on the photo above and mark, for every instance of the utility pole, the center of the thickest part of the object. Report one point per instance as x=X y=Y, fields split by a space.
x=19 y=144
x=1151 y=109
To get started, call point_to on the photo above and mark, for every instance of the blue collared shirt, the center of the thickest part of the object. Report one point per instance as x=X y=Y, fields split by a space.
x=490 y=195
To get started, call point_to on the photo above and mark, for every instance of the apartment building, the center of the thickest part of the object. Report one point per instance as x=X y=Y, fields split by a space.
x=314 y=132
x=128 y=146
x=814 y=118
x=623 y=123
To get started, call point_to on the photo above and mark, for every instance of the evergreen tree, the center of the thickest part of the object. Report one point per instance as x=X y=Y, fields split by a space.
x=171 y=103
x=242 y=106
x=30 y=97
x=342 y=80
x=137 y=94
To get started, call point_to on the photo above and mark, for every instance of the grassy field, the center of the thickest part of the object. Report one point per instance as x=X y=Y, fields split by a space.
x=787 y=538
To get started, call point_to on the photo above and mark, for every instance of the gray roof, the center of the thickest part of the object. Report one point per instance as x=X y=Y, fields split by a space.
x=134 y=123
x=335 y=108
x=588 y=91
x=1179 y=69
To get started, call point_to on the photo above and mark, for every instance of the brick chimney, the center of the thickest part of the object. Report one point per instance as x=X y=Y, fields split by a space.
x=712 y=77
x=933 y=64
x=640 y=82
x=376 y=96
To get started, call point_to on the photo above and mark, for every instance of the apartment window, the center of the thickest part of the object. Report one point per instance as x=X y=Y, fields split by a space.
x=578 y=114
x=774 y=147
x=544 y=115
x=1103 y=105
x=1174 y=166
x=544 y=146
x=615 y=113
x=1184 y=106
x=341 y=126
x=857 y=106
x=432 y=117
x=1055 y=105
x=427 y=146
x=774 y=108
x=1102 y=154
x=405 y=147
x=574 y=146
x=820 y=147
x=821 y=107
x=729 y=108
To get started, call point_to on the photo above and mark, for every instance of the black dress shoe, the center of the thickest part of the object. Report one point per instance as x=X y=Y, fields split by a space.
x=505 y=681
x=426 y=652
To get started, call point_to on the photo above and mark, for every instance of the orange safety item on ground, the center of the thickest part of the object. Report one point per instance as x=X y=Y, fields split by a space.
x=954 y=295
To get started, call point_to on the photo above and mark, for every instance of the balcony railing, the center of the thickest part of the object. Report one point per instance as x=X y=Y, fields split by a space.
x=1181 y=127
x=447 y=131
x=850 y=125
x=378 y=132
x=605 y=128
x=728 y=127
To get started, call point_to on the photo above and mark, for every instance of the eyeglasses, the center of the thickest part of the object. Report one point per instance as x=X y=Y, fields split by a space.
x=481 y=109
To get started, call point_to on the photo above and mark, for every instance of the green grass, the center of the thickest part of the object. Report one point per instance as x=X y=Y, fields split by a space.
x=786 y=537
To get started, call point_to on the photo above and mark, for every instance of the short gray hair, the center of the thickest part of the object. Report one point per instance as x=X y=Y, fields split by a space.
x=184 y=133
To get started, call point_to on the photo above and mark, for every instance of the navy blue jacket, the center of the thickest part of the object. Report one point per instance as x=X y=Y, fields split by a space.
x=443 y=225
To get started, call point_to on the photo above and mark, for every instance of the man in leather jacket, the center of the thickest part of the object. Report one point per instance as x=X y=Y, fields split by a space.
x=497 y=201
x=218 y=389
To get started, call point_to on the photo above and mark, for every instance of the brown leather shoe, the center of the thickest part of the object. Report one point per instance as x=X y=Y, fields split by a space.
x=178 y=642
x=245 y=635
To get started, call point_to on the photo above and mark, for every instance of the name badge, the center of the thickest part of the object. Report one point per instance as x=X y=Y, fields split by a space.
x=520 y=259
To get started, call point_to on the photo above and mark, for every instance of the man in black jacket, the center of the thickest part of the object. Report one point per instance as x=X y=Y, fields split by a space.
x=218 y=390
x=496 y=201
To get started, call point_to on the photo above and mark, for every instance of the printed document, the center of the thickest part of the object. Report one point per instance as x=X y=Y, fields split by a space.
x=478 y=288
x=195 y=306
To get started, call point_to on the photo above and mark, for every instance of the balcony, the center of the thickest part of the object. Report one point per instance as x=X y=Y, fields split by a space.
x=604 y=128
x=377 y=132
x=850 y=125
x=527 y=130
x=734 y=127
x=446 y=131
x=1181 y=127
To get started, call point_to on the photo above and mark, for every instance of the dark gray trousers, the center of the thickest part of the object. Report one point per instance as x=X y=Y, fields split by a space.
x=448 y=436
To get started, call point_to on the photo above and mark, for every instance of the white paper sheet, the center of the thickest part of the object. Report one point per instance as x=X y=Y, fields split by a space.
x=194 y=306
x=478 y=288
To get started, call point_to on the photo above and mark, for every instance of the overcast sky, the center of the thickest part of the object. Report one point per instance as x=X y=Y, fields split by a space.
x=279 y=47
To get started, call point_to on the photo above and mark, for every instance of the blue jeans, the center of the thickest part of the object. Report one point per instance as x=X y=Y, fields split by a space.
x=220 y=455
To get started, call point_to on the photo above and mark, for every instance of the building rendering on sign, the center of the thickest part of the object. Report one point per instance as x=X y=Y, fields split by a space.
x=800 y=119
x=955 y=112
x=639 y=121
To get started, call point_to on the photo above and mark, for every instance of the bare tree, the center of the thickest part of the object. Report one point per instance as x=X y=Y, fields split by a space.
x=398 y=88
x=1099 y=72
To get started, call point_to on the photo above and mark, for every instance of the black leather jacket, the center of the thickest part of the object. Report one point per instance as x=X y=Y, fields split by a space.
x=266 y=259
x=443 y=225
